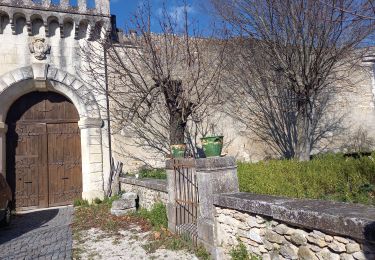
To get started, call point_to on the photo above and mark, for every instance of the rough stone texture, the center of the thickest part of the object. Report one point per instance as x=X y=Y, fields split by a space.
x=280 y=240
x=42 y=234
x=352 y=248
x=348 y=220
x=122 y=212
x=148 y=191
x=304 y=253
x=123 y=204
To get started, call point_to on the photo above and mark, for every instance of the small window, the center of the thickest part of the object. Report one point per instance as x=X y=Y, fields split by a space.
x=55 y=2
x=39 y=2
x=90 y=4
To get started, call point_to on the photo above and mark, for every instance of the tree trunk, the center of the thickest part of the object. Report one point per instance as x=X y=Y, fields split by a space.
x=303 y=148
x=177 y=129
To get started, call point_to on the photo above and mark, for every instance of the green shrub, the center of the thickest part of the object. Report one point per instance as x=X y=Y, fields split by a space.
x=80 y=203
x=98 y=201
x=331 y=177
x=109 y=200
x=153 y=174
x=157 y=215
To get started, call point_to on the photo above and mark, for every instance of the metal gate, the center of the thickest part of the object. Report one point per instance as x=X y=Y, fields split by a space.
x=187 y=198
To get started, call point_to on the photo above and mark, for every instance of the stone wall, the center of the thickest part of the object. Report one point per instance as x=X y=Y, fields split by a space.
x=294 y=237
x=149 y=191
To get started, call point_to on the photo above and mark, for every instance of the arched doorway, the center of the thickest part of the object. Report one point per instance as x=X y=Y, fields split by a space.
x=43 y=151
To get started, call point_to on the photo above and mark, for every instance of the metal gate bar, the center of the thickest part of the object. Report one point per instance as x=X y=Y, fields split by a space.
x=187 y=199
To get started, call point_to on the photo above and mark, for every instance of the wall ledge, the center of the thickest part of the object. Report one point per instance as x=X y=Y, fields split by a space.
x=345 y=219
x=158 y=185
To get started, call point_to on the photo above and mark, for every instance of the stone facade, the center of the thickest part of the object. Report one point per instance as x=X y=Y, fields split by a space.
x=149 y=191
x=40 y=51
x=270 y=239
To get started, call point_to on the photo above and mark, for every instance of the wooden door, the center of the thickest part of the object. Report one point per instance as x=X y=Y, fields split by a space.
x=43 y=151
x=30 y=161
x=64 y=163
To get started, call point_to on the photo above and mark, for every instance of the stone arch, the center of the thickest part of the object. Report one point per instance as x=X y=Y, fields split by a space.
x=82 y=29
x=42 y=77
x=19 y=23
x=53 y=26
x=68 y=27
x=60 y=81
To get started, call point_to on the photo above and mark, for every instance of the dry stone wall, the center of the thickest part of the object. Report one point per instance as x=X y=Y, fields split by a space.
x=149 y=191
x=272 y=239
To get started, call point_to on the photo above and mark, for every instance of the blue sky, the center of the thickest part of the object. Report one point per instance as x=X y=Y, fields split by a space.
x=124 y=9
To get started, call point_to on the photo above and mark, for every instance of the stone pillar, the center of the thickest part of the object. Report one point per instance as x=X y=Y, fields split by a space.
x=64 y=3
x=102 y=7
x=82 y=5
x=215 y=175
x=92 y=158
x=46 y=3
x=3 y=131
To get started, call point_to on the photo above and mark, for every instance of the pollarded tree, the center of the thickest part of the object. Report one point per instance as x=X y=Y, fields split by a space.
x=158 y=82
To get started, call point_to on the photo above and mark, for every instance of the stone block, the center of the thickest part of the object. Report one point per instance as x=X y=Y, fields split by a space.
x=316 y=240
x=206 y=230
x=337 y=247
x=298 y=239
x=352 y=248
x=122 y=212
x=274 y=237
x=325 y=254
x=359 y=256
x=129 y=196
x=346 y=256
x=341 y=240
x=304 y=253
x=40 y=71
x=289 y=251
x=283 y=230
x=123 y=204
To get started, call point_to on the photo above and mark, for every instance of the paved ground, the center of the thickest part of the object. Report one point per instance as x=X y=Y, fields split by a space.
x=128 y=245
x=38 y=235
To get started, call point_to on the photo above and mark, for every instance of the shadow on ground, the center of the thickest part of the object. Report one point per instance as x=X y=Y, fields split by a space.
x=27 y=222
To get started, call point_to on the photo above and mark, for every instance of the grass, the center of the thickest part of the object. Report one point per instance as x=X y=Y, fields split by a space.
x=328 y=177
x=160 y=174
x=239 y=252
x=157 y=217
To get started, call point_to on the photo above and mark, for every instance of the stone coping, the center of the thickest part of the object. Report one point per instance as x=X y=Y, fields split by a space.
x=154 y=184
x=338 y=218
x=206 y=164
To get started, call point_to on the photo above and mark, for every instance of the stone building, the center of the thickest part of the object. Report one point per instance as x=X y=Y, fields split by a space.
x=53 y=132
x=54 y=142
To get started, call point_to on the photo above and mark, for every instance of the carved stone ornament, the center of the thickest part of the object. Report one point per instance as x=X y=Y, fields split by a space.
x=40 y=48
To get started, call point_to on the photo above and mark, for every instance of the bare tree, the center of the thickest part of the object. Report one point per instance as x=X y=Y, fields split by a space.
x=158 y=82
x=360 y=9
x=291 y=57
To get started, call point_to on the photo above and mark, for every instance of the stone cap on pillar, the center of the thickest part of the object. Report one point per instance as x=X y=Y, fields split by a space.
x=85 y=123
x=3 y=128
x=206 y=164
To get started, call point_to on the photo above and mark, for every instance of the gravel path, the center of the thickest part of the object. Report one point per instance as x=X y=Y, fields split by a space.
x=128 y=245
x=43 y=234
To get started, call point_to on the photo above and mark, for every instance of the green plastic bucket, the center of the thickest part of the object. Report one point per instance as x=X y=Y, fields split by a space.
x=212 y=145
x=178 y=150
